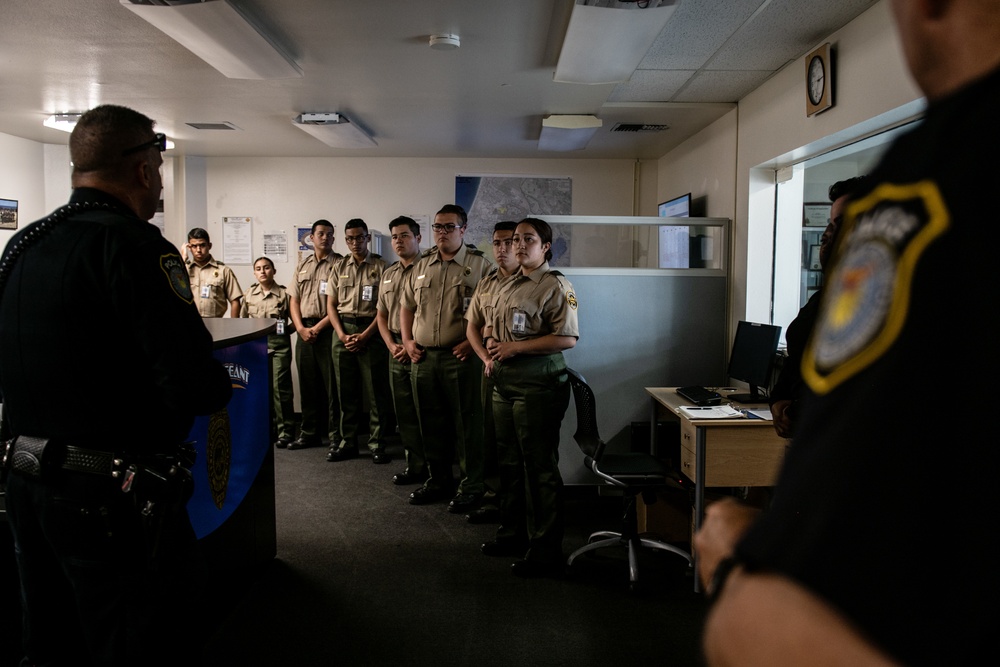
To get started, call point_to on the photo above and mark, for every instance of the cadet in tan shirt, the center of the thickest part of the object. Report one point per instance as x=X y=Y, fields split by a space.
x=313 y=351
x=477 y=316
x=213 y=284
x=446 y=374
x=405 y=233
x=268 y=300
x=534 y=318
x=359 y=354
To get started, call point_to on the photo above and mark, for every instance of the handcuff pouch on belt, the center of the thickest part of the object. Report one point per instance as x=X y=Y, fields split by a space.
x=27 y=455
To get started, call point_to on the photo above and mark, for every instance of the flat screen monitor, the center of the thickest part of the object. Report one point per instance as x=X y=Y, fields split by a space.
x=752 y=358
x=678 y=207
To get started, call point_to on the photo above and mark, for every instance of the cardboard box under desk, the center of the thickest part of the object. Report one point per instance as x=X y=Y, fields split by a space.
x=668 y=518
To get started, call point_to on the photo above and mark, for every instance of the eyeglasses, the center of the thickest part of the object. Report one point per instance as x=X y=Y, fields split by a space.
x=159 y=142
x=355 y=239
x=447 y=229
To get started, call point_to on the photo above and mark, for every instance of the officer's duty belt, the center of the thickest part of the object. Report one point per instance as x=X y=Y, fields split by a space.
x=30 y=455
x=356 y=321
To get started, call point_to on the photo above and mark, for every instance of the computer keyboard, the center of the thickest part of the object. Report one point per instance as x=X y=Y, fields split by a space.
x=700 y=395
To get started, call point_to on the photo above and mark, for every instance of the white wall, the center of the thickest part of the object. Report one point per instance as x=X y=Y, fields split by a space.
x=21 y=172
x=770 y=130
x=284 y=193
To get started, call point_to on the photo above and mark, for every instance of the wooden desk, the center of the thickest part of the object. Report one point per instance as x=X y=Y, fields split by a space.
x=719 y=452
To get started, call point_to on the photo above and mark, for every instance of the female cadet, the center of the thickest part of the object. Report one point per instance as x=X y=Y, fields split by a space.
x=533 y=320
x=267 y=299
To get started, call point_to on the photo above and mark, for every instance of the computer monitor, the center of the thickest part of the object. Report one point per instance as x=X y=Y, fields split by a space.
x=678 y=207
x=752 y=358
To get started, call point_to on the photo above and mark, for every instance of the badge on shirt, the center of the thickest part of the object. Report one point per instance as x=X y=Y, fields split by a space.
x=366 y=292
x=322 y=287
x=519 y=324
x=868 y=294
x=206 y=291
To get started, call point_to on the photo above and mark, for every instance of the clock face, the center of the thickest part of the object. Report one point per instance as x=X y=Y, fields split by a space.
x=817 y=80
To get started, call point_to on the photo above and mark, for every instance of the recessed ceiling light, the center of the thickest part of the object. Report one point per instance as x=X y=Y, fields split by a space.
x=62 y=121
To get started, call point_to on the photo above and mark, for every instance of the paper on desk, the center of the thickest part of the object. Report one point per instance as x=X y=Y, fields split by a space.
x=709 y=412
x=760 y=413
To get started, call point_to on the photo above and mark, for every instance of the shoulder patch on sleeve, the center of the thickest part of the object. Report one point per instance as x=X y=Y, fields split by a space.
x=571 y=300
x=177 y=276
x=866 y=302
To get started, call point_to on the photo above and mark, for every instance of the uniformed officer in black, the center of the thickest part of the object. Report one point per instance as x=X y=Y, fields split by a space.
x=121 y=378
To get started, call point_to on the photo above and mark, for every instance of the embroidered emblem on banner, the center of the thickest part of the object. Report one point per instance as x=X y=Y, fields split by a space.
x=867 y=297
x=219 y=454
x=177 y=276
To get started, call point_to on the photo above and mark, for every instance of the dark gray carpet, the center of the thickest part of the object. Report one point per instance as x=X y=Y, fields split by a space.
x=364 y=578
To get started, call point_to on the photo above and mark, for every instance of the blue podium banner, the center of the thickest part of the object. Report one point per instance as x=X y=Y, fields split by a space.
x=232 y=443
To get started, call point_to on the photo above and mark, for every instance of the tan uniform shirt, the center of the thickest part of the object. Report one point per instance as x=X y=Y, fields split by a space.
x=439 y=292
x=310 y=285
x=391 y=291
x=214 y=287
x=535 y=305
x=481 y=309
x=357 y=285
x=267 y=305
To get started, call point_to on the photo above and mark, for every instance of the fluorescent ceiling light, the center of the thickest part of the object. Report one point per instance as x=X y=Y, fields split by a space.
x=606 y=44
x=67 y=121
x=567 y=133
x=218 y=33
x=334 y=130
x=62 y=121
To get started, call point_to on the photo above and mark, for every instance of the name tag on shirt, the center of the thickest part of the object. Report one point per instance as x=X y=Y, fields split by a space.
x=322 y=287
x=280 y=329
x=520 y=320
x=366 y=293
x=206 y=291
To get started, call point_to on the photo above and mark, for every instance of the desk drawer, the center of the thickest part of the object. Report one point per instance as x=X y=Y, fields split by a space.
x=735 y=455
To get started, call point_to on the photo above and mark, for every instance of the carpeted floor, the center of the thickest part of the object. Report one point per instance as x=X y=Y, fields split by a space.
x=364 y=578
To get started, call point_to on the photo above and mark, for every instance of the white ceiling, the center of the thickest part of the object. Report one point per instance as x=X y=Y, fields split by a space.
x=370 y=60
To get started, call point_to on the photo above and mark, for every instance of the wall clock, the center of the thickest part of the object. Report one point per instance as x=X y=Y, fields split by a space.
x=819 y=80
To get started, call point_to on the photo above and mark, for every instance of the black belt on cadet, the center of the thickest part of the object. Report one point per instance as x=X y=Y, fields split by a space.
x=310 y=321
x=397 y=337
x=356 y=321
x=30 y=455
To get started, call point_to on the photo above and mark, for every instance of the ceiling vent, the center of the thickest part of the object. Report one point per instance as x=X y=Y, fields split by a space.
x=213 y=126
x=639 y=127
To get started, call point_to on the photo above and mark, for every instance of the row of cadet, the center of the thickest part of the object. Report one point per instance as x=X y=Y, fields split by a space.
x=464 y=356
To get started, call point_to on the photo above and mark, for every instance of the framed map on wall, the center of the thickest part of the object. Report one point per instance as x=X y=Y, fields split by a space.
x=488 y=199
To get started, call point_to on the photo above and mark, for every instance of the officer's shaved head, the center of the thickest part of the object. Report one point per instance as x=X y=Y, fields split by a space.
x=103 y=135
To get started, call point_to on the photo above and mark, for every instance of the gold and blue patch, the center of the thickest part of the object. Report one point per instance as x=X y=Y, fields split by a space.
x=867 y=296
x=177 y=276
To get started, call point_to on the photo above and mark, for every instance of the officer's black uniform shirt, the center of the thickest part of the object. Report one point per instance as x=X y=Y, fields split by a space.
x=886 y=506
x=99 y=339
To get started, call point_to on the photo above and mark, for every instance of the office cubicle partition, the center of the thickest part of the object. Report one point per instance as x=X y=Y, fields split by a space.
x=641 y=325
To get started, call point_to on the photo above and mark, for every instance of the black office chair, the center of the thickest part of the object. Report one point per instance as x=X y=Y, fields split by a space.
x=633 y=473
